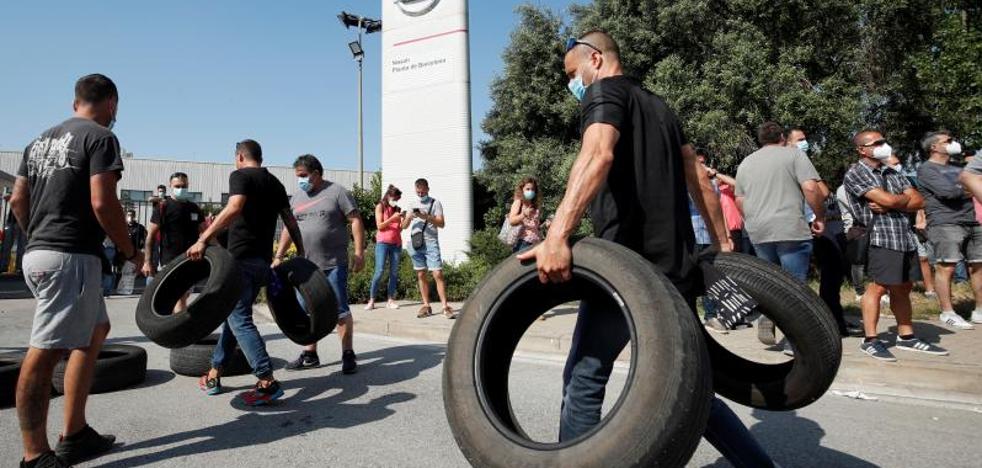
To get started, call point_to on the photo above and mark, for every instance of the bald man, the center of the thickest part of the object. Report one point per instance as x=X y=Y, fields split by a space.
x=634 y=162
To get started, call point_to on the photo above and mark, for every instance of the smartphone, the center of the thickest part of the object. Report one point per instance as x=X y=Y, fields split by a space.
x=415 y=210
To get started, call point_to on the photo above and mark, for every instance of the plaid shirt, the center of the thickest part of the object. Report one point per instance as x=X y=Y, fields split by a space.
x=890 y=230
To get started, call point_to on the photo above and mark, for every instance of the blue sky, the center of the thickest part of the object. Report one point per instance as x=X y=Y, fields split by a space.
x=195 y=77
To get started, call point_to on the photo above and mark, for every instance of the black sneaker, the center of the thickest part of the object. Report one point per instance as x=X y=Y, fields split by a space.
x=305 y=361
x=348 y=364
x=46 y=460
x=83 y=445
x=852 y=330
x=876 y=350
x=915 y=344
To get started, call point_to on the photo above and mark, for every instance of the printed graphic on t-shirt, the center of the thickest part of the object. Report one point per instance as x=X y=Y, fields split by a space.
x=48 y=155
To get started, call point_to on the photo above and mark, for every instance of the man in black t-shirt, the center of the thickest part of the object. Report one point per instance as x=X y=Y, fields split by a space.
x=256 y=199
x=177 y=221
x=633 y=170
x=65 y=199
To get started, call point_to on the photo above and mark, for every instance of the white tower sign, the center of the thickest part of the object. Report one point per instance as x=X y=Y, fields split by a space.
x=426 y=117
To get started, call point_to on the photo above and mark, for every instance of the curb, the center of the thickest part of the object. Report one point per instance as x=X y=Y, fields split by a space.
x=930 y=381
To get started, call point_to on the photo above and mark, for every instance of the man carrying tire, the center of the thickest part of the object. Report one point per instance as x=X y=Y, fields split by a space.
x=882 y=200
x=256 y=199
x=323 y=210
x=631 y=140
x=178 y=222
x=65 y=199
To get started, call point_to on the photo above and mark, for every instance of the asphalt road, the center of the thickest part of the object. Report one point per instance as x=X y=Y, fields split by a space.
x=391 y=414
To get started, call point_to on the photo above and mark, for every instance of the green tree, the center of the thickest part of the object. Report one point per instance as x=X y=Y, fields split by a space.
x=726 y=66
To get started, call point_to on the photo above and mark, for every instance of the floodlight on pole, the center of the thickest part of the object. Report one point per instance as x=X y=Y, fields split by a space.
x=367 y=26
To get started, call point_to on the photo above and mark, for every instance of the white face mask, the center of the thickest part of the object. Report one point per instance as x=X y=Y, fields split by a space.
x=882 y=152
x=393 y=202
x=953 y=148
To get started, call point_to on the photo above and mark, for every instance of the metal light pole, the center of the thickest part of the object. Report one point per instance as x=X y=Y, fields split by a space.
x=367 y=26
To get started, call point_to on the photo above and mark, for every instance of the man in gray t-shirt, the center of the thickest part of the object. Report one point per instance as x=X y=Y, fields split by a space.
x=323 y=210
x=954 y=234
x=427 y=217
x=772 y=184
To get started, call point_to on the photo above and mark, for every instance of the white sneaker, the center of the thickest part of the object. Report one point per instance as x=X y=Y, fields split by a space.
x=977 y=316
x=955 y=321
x=392 y=305
x=370 y=305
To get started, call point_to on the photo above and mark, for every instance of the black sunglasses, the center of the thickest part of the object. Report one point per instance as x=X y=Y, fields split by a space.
x=573 y=42
x=875 y=143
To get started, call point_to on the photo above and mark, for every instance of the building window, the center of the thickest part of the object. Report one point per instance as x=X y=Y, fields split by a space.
x=134 y=195
x=195 y=197
x=224 y=199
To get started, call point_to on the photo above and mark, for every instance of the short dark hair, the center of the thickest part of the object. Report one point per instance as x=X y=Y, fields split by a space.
x=131 y=211
x=769 y=133
x=162 y=186
x=95 y=89
x=422 y=182
x=251 y=149
x=179 y=175
x=310 y=163
x=700 y=151
x=787 y=134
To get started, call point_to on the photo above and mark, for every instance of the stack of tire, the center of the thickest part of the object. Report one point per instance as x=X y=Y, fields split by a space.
x=189 y=334
x=662 y=411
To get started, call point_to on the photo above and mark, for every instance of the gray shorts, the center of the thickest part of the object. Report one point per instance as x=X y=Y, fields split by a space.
x=953 y=243
x=68 y=288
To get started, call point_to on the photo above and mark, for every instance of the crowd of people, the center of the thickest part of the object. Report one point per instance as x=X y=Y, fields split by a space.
x=79 y=237
x=645 y=185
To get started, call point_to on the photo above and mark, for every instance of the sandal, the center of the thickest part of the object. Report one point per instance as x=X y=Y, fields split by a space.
x=448 y=313
x=424 y=311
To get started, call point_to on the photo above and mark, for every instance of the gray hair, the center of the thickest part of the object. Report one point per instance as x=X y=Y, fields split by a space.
x=931 y=138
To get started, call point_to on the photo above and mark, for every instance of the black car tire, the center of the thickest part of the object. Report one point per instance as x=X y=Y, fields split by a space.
x=805 y=321
x=204 y=314
x=118 y=367
x=195 y=360
x=305 y=323
x=662 y=411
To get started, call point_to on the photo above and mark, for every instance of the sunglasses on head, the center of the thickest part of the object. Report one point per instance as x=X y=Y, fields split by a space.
x=573 y=42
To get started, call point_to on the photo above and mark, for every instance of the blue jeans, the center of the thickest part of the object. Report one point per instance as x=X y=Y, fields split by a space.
x=239 y=327
x=792 y=256
x=598 y=338
x=337 y=277
x=521 y=246
x=709 y=306
x=391 y=252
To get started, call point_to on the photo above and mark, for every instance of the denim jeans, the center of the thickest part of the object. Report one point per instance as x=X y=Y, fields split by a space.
x=391 y=253
x=832 y=269
x=337 y=277
x=793 y=256
x=709 y=306
x=598 y=338
x=521 y=246
x=239 y=327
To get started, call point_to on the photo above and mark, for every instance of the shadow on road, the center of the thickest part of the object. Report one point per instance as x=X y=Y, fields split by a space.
x=319 y=402
x=926 y=331
x=14 y=287
x=795 y=441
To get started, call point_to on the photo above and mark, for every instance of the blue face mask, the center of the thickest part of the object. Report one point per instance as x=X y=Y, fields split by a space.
x=180 y=193
x=530 y=195
x=803 y=145
x=304 y=184
x=424 y=199
x=577 y=87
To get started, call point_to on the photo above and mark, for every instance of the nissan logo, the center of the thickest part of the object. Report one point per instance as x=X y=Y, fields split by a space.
x=416 y=7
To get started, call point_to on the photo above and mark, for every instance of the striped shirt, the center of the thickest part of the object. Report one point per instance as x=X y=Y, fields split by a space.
x=892 y=229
